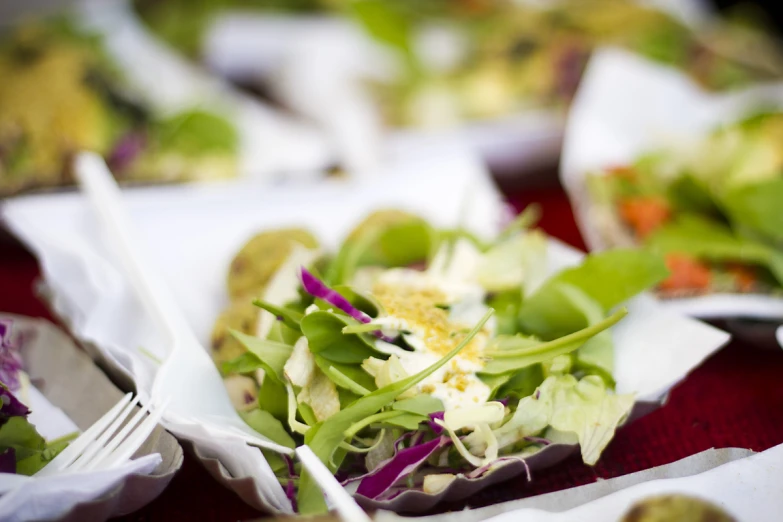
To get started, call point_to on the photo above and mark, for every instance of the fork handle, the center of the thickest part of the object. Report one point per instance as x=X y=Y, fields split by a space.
x=104 y=195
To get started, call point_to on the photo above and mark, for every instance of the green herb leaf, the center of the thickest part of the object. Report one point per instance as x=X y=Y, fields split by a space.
x=245 y=363
x=420 y=404
x=324 y=332
x=609 y=278
x=511 y=360
x=268 y=426
x=757 y=207
x=598 y=351
x=352 y=371
x=196 y=133
x=273 y=397
x=409 y=421
x=291 y=318
x=271 y=355
x=385 y=24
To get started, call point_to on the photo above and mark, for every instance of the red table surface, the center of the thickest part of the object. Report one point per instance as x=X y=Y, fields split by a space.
x=733 y=400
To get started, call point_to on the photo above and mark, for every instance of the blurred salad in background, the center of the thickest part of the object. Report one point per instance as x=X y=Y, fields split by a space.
x=498 y=58
x=22 y=449
x=183 y=23
x=61 y=93
x=412 y=355
x=712 y=209
x=484 y=59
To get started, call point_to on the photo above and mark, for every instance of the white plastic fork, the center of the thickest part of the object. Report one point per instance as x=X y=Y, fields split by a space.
x=104 y=445
x=107 y=443
x=344 y=503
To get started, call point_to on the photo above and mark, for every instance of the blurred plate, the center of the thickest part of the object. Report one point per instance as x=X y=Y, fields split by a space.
x=627 y=105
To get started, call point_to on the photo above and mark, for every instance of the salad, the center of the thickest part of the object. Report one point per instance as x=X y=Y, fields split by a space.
x=506 y=57
x=22 y=449
x=61 y=93
x=411 y=355
x=713 y=210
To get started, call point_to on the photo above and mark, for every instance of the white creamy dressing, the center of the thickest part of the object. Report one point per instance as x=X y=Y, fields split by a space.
x=456 y=383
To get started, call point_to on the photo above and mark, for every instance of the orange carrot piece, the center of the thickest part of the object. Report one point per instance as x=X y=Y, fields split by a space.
x=686 y=273
x=744 y=277
x=644 y=214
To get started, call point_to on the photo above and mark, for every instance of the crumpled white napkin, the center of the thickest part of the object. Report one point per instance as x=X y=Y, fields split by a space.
x=52 y=497
x=50 y=421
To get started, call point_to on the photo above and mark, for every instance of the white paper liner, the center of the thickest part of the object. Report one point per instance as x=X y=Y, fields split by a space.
x=626 y=106
x=192 y=233
x=567 y=499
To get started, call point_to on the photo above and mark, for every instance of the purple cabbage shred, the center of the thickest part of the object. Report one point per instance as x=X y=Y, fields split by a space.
x=398 y=467
x=437 y=429
x=318 y=289
x=10 y=406
x=126 y=150
x=10 y=360
x=8 y=461
x=290 y=488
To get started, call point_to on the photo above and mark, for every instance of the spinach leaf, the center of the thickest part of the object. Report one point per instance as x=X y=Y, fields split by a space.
x=291 y=318
x=607 y=277
x=268 y=426
x=271 y=355
x=324 y=332
x=757 y=207
x=420 y=404
x=513 y=359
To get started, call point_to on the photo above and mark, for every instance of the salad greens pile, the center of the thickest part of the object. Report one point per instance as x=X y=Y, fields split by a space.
x=713 y=210
x=22 y=449
x=62 y=93
x=412 y=355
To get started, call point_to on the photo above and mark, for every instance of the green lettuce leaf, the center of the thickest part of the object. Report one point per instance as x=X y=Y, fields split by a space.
x=757 y=207
x=324 y=332
x=271 y=355
x=609 y=278
x=598 y=351
x=31 y=449
x=196 y=133
x=290 y=317
x=421 y=404
x=510 y=358
x=273 y=397
x=517 y=262
x=387 y=25
x=582 y=407
x=268 y=426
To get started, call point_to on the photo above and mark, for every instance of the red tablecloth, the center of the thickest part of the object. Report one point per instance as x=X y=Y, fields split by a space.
x=733 y=400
